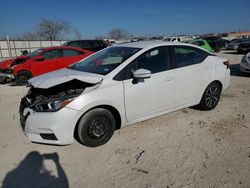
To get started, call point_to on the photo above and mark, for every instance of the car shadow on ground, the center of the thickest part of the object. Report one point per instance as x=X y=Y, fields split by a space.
x=235 y=71
x=31 y=172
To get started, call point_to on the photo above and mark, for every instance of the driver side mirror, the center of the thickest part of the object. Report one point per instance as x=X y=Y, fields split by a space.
x=142 y=74
x=40 y=58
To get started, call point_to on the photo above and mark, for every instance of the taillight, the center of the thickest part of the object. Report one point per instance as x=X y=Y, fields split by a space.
x=226 y=63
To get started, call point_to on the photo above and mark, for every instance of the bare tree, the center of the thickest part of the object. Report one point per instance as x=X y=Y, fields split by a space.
x=118 y=34
x=77 y=34
x=28 y=36
x=52 y=30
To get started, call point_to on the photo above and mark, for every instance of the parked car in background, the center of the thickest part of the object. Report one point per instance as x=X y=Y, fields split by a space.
x=245 y=63
x=119 y=86
x=6 y=70
x=234 y=44
x=41 y=61
x=244 y=47
x=177 y=39
x=214 y=41
x=91 y=45
x=202 y=43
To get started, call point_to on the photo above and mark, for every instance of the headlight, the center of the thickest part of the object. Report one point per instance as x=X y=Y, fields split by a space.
x=52 y=106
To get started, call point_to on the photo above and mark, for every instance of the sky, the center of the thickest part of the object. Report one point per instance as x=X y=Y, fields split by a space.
x=139 y=17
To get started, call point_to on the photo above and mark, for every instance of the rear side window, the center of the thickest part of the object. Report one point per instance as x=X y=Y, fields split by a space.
x=52 y=54
x=67 y=53
x=185 y=56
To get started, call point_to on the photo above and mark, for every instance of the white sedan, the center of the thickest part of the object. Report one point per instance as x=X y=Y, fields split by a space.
x=119 y=86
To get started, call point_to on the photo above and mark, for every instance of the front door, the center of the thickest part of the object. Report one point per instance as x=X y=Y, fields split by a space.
x=147 y=97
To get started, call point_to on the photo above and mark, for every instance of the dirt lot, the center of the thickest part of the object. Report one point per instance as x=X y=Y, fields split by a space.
x=187 y=148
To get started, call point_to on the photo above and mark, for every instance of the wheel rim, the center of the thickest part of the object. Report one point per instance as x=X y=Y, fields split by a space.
x=212 y=96
x=99 y=127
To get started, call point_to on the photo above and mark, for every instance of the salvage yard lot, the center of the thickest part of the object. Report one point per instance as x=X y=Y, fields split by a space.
x=187 y=148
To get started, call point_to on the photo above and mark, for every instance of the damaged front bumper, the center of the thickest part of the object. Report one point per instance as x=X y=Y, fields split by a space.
x=58 y=129
x=6 y=75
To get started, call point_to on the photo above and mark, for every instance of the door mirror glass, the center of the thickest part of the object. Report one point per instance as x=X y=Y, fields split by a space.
x=142 y=74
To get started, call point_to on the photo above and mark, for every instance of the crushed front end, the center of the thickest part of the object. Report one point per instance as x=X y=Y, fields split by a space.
x=44 y=115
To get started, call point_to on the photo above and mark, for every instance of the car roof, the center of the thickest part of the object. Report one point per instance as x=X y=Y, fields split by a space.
x=152 y=44
x=64 y=47
x=88 y=40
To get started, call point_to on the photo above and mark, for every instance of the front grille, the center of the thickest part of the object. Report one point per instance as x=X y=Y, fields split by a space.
x=48 y=136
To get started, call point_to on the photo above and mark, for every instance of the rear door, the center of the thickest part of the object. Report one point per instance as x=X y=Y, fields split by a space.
x=192 y=73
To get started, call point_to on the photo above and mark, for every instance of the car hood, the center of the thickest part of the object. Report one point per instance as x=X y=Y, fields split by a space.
x=61 y=76
x=7 y=63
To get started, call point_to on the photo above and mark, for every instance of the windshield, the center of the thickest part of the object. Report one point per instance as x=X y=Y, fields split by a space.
x=105 y=61
x=35 y=53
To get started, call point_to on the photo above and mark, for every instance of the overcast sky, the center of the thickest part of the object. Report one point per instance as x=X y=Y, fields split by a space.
x=140 y=17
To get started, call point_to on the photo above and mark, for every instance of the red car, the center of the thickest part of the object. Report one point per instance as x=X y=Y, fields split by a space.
x=39 y=62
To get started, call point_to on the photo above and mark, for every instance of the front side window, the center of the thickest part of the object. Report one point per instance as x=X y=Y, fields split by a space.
x=156 y=60
x=35 y=53
x=103 y=62
x=52 y=54
x=185 y=56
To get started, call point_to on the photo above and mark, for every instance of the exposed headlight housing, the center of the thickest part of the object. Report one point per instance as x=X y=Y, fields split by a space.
x=52 y=106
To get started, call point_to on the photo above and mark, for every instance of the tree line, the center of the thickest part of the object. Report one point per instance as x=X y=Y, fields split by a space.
x=48 y=29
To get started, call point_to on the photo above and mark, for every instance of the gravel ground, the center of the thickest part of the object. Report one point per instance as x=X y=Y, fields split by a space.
x=187 y=148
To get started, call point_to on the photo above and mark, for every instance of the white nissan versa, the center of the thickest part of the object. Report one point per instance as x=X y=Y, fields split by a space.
x=119 y=86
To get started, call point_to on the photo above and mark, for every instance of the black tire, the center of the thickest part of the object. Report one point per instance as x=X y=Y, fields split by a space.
x=22 y=77
x=3 y=80
x=96 y=127
x=210 y=97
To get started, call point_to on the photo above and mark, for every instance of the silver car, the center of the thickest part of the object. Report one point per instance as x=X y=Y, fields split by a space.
x=119 y=86
x=245 y=63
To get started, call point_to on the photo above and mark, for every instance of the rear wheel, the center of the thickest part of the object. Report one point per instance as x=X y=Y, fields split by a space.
x=22 y=77
x=3 y=80
x=210 y=96
x=96 y=127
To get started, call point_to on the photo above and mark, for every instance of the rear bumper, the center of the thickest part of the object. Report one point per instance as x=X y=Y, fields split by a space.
x=227 y=80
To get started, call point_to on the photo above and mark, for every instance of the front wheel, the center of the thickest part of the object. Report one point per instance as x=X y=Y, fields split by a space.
x=96 y=127
x=210 y=97
x=22 y=77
